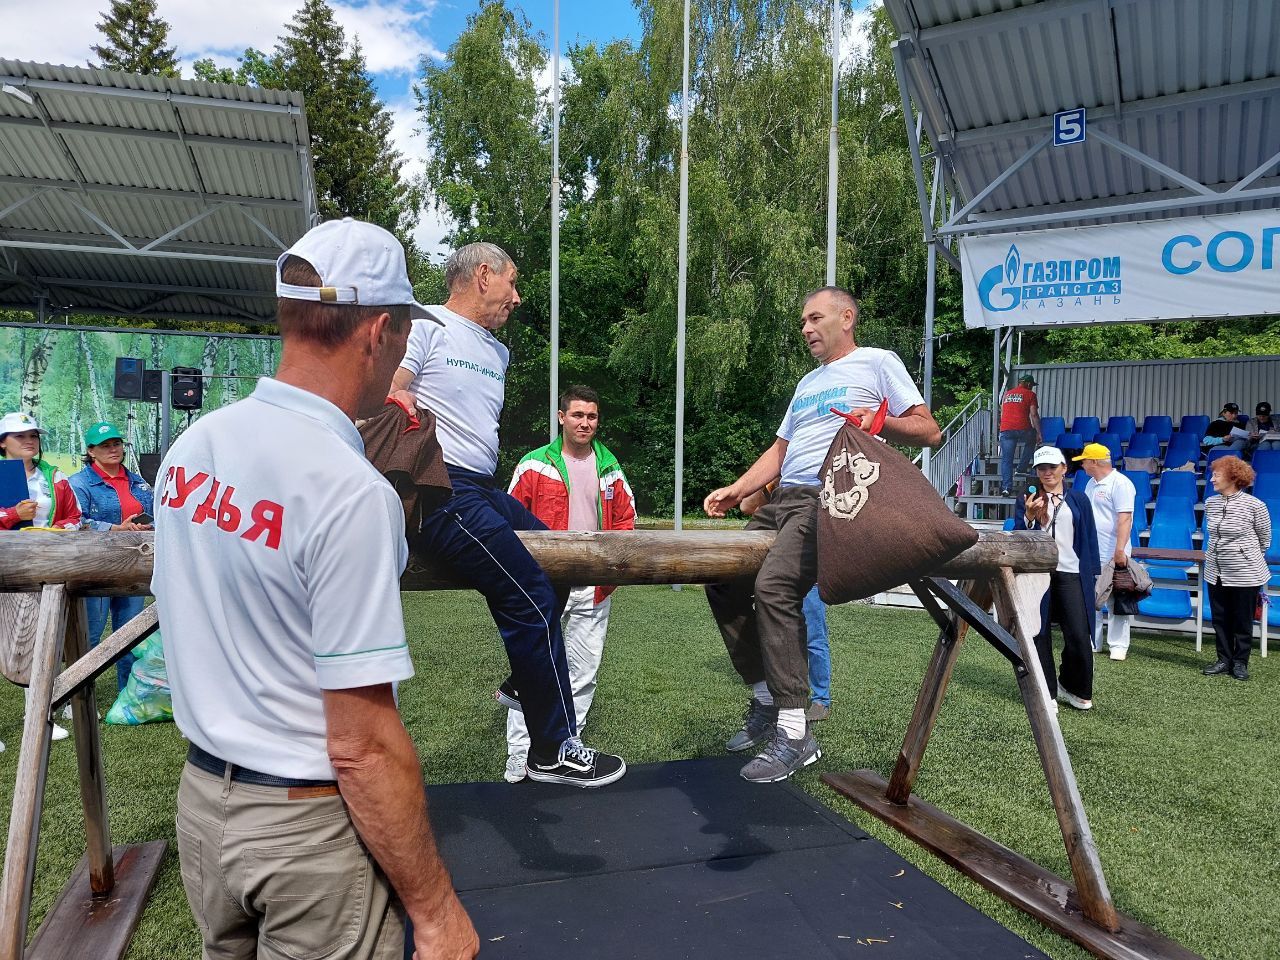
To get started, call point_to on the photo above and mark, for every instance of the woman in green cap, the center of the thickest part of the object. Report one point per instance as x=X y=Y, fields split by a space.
x=111 y=498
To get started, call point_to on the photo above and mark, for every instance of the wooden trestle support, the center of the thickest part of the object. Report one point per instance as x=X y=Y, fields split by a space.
x=99 y=907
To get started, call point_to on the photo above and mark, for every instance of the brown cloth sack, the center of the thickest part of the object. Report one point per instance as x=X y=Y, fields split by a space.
x=880 y=522
x=404 y=449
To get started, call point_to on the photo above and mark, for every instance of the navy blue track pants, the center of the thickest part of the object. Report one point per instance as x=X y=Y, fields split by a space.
x=474 y=533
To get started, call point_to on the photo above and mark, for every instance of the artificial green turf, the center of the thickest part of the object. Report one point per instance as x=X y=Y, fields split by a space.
x=1178 y=771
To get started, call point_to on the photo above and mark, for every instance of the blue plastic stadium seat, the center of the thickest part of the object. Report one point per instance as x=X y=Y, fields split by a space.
x=1196 y=423
x=1178 y=483
x=1076 y=480
x=1217 y=453
x=1122 y=427
x=1183 y=448
x=1267 y=487
x=1051 y=428
x=1273 y=607
x=1112 y=442
x=1070 y=441
x=1170 y=530
x=1142 y=496
x=1273 y=551
x=1267 y=461
x=1143 y=445
x=1160 y=425
x=1087 y=427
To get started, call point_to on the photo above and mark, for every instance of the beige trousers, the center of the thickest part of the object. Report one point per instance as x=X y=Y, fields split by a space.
x=274 y=878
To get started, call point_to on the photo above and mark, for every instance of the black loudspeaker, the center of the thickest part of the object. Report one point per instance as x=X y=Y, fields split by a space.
x=187 y=388
x=151 y=385
x=149 y=466
x=129 y=371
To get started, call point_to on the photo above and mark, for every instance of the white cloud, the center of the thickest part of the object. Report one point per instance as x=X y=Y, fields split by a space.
x=393 y=33
x=432 y=224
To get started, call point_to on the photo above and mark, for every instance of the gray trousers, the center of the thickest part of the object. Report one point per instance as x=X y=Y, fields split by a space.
x=273 y=873
x=762 y=619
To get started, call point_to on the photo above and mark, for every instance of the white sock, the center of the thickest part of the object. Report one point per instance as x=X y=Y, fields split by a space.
x=792 y=723
x=761 y=692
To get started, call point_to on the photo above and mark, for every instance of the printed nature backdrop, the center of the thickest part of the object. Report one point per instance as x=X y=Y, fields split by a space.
x=65 y=377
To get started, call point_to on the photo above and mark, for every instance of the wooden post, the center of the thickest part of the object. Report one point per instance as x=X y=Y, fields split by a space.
x=19 y=615
x=1082 y=852
x=33 y=765
x=93 y=783
x=932 y=689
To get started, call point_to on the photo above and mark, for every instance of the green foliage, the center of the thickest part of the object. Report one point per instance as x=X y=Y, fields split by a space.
x=134 y=38
x=254 y=69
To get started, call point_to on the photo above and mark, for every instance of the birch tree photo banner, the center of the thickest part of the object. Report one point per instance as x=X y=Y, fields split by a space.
x=65 y=377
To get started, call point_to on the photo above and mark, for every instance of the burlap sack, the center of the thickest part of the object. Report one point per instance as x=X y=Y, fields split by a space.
x=880 y=522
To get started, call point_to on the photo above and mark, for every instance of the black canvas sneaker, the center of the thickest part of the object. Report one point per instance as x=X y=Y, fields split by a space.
x=508 y=696
x=576 y=765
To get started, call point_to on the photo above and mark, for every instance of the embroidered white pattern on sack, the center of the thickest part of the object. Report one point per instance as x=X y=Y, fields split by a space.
x=848 y=504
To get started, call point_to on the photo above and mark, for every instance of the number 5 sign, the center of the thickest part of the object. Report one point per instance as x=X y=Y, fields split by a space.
x=1068 y=127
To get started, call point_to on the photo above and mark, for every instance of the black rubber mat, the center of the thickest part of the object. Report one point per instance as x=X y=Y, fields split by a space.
x=686 y=859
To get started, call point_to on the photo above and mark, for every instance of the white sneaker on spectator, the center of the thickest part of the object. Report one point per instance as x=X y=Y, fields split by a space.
x=1070 y=698
x=1118 y=654
x=515 y=771
x=1 y=746
x=60 y=733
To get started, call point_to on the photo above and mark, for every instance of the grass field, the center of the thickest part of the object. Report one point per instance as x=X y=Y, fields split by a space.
x=1179 y=772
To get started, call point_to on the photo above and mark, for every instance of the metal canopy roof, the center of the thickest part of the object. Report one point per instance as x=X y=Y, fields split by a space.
x=143 y=196
x=1182 y=100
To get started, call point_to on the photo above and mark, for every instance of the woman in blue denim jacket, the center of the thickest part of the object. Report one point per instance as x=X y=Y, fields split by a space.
x=101 y=487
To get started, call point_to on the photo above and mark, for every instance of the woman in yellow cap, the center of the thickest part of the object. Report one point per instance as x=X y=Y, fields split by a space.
x=111 y=498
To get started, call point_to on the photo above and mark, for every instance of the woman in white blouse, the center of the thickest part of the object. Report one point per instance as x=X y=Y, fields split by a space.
x=1235 y=563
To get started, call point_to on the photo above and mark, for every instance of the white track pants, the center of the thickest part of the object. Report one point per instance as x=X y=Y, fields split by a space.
x=584 y=624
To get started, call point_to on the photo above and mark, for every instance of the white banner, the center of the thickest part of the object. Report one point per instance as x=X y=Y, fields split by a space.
x=1227 y=265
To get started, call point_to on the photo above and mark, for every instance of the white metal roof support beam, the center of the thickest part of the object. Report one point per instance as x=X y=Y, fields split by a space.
x=1257 y=173
x=189 y=222
x=263 y=227
x=133 y=252
x=1151 y=163
x=1004 y=20
x=18 y=204
x=995 y=184
x=156 y=192
x=210 y=103
x=75 y=283
x=93 y=217
x=42 y=115
x=200 y=140
x=186 y=148
x=913 y=140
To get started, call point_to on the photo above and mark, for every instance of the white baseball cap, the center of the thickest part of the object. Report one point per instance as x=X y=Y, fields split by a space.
x=18 y=423
x=358 y=263
x=1048 y=455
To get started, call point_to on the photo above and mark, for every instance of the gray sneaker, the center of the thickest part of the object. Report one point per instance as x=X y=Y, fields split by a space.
x=758 y=726
x=781 y=758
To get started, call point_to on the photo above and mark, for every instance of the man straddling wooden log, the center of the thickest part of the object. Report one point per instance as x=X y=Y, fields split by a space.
x=302 y=819
x=761 y=620
x=455 y=367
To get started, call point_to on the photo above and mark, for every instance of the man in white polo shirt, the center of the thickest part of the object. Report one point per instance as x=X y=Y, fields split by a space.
x=1112 y=495
x=455 y=367
x=302 y=819
x=761 y=620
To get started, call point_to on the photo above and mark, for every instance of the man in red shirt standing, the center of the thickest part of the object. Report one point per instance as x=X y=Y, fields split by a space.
x=573 y=483
x=1019 y=424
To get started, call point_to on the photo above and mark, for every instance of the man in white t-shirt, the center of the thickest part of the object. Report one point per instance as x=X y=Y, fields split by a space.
x=302 y=820
x=455 y=367
x=1112 y=495
x=762 y=620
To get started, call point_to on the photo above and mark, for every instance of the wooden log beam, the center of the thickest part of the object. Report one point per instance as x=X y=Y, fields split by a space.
x=101 y=564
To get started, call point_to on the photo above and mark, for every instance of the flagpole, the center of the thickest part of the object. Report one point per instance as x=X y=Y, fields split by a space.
x=833 y=158
x=682 y=288
x=553 y=426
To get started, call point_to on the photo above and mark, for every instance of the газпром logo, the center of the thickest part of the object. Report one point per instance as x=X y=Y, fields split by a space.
x=1044 y=283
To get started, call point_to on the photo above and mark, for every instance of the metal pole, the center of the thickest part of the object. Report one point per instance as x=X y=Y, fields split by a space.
x=682 y=287
x=930 y=285
x=833 y=156
x=995 y=390
x=552 y=426
x=166 y=398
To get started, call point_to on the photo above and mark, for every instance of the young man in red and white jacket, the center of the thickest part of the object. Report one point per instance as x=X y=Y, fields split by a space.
x=573 y=483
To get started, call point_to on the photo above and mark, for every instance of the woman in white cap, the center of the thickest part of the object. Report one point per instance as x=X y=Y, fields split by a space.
x=1068 y=515
x=50 y=501
x=112 y=497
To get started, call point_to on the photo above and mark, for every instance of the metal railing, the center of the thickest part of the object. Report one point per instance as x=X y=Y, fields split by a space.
x=963 y=440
